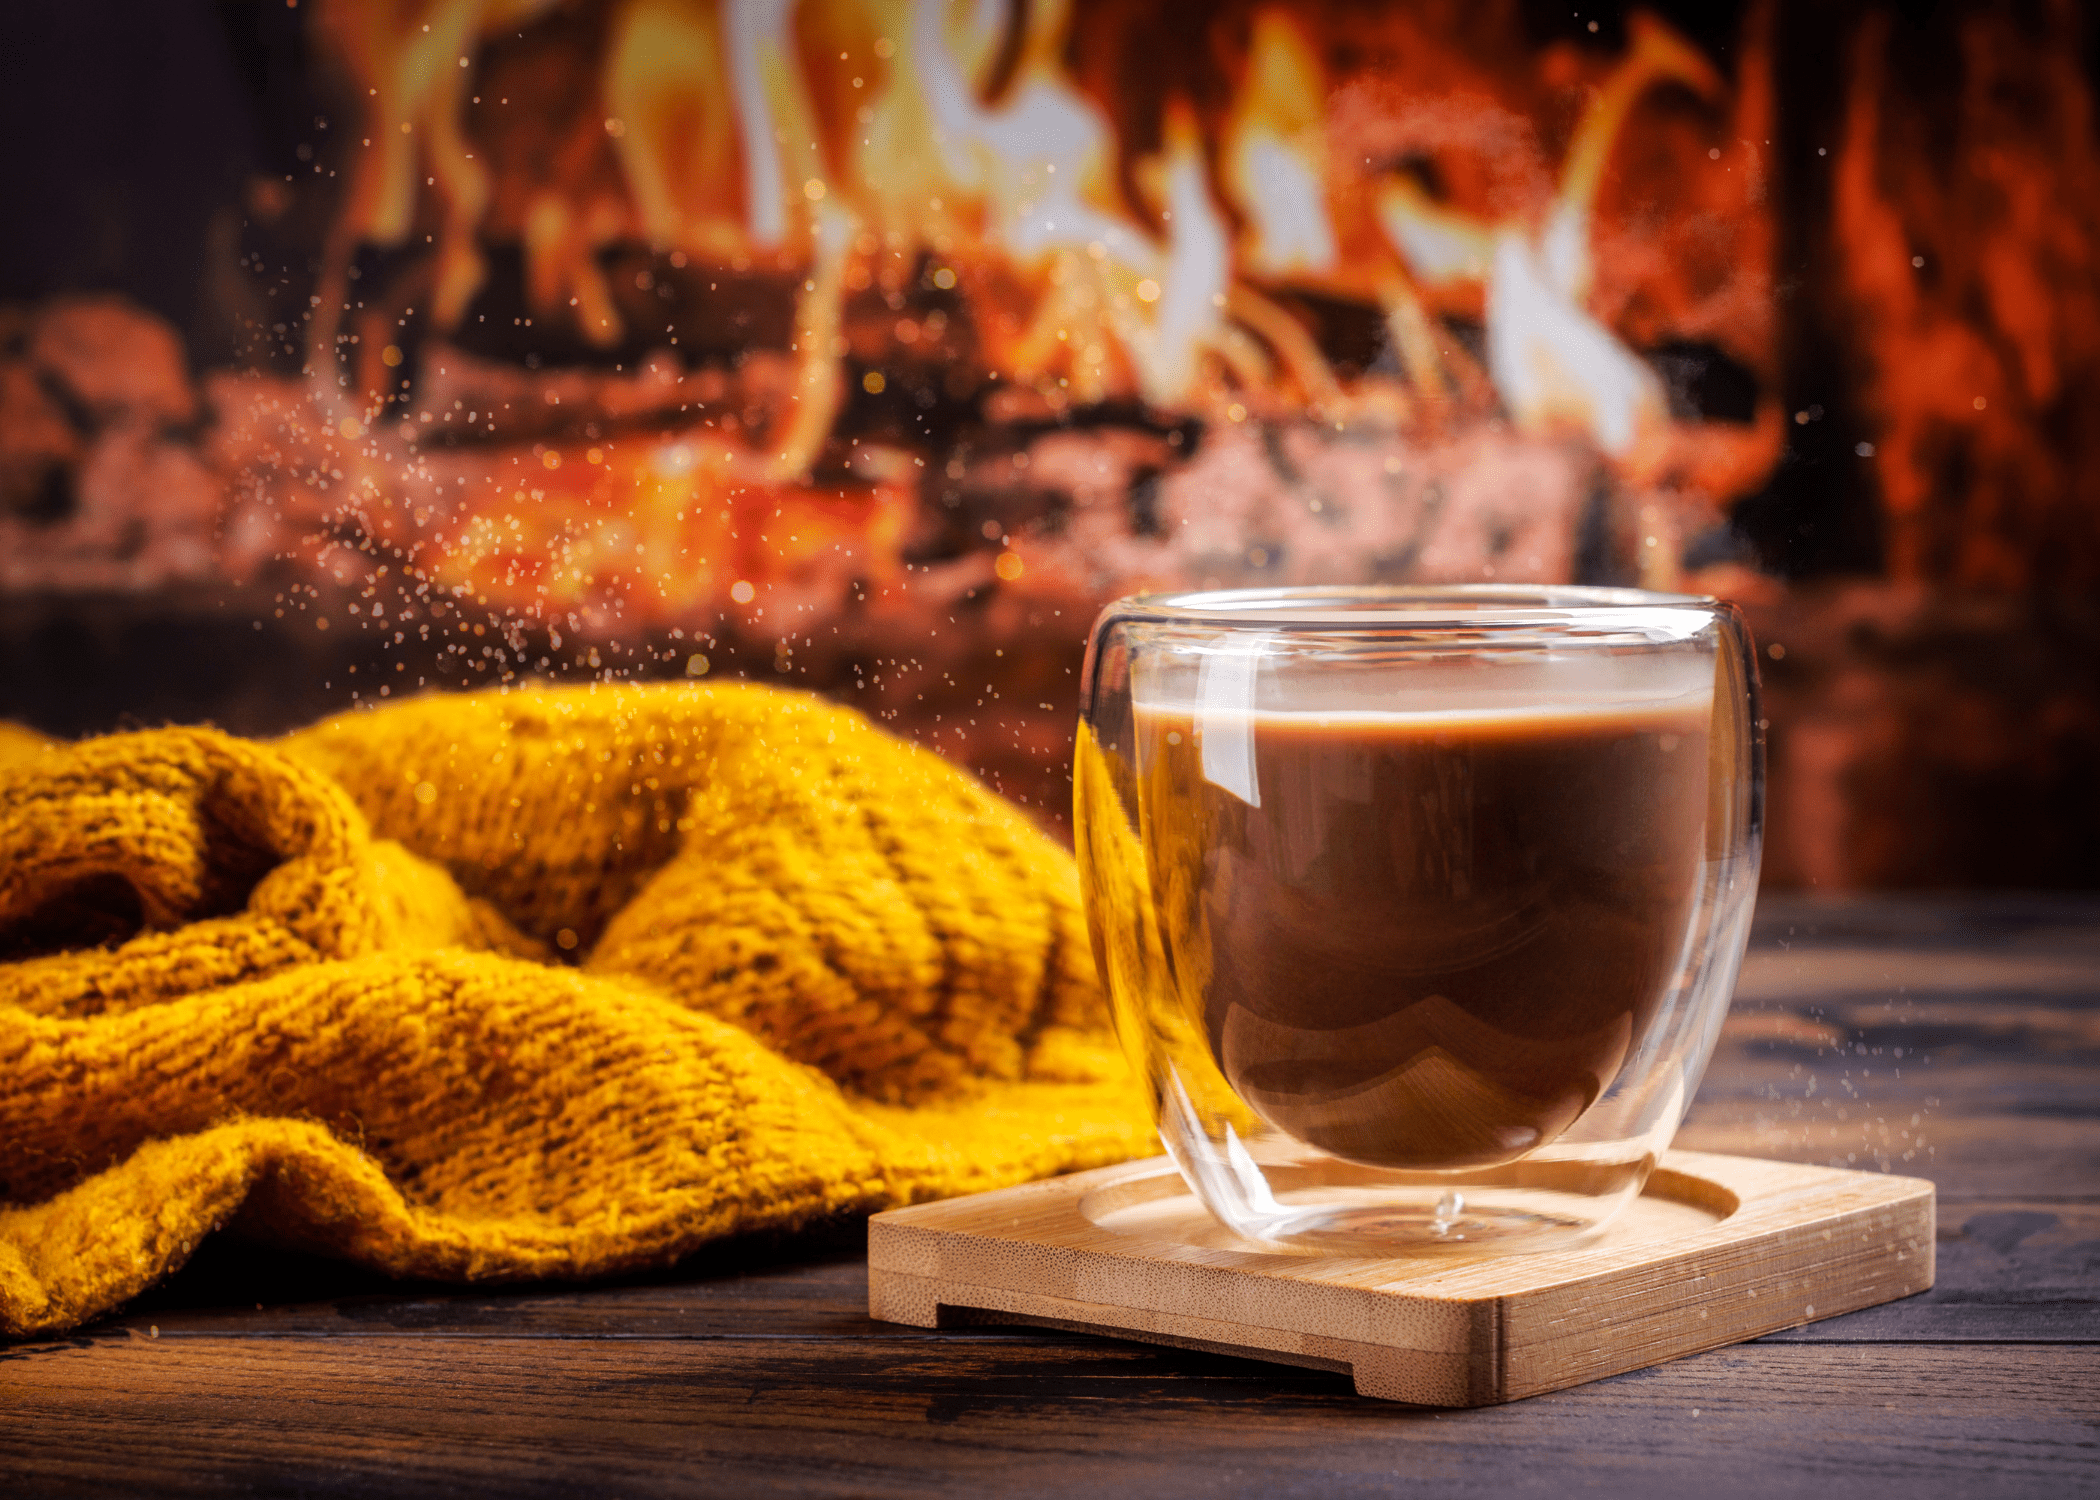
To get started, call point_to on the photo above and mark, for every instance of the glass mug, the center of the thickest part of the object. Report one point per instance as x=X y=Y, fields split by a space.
x=1419 y=908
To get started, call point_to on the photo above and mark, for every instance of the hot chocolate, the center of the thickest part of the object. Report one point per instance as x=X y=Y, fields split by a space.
x=1425 y=939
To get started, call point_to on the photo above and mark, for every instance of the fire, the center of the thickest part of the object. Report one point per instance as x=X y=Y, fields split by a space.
x=657 y=520
x=1969 y=242
x=854 y=150
x=1274 y=154
x=1554 y=363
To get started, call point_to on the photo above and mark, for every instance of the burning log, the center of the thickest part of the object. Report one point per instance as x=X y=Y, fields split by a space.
x=870 y=344
x=879 y=236
x=1325 y=310
x=875 y=342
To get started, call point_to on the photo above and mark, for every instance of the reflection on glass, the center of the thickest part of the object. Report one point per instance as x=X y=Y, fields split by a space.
x=1418 y=909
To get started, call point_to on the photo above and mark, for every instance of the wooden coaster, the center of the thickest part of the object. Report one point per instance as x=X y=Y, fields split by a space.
x=1716 y=1250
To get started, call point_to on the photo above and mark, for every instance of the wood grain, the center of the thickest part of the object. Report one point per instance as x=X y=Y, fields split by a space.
x=1048 y=1415
x=1955 y=1039
x=1786 y=1244
x=754 y=1370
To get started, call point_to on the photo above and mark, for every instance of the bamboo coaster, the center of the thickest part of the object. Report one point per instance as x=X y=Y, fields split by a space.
x=1716 y=1250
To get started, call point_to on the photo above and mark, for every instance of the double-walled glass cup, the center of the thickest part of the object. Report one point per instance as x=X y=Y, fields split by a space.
x=1419 y=909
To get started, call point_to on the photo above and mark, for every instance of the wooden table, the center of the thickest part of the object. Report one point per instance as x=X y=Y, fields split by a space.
x=1956 y=1040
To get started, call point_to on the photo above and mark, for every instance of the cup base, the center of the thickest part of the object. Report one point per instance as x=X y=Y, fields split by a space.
x=1307 y=1201
x=1399 y=1222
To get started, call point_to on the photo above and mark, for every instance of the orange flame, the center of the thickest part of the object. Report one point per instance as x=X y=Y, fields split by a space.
x=845 y=143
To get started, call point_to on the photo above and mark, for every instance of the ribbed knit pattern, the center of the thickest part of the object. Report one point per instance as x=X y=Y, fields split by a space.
x=553 y=982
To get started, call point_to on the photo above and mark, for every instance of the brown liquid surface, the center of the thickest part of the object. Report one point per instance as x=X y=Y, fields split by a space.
x=1433 y=942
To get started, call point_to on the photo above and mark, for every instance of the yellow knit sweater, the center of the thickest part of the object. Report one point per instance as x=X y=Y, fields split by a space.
x=542 y=983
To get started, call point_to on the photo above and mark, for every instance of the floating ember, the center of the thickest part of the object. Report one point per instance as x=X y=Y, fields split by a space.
x=625 y=308
x=872 y=344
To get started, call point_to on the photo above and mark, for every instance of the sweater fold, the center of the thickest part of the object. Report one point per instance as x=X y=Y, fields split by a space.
x=554 y=982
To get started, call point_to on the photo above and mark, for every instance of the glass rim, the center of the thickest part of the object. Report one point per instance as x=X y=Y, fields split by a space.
x=1350 y=608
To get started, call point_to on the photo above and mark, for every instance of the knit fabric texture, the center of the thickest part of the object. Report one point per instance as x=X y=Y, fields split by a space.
x=551 y=982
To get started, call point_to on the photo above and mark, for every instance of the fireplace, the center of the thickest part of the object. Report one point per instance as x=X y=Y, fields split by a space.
x=869 y=346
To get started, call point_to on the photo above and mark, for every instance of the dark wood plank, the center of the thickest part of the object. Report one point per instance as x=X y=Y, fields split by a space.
x=1964 y=921
x=1955 y=1039
x=819 y=1299
x=808 y=1286
x=754 y=1370
x=1951 y=1038
x=1980 y=1128
x=1047 y=1416
x=2007 y=1272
